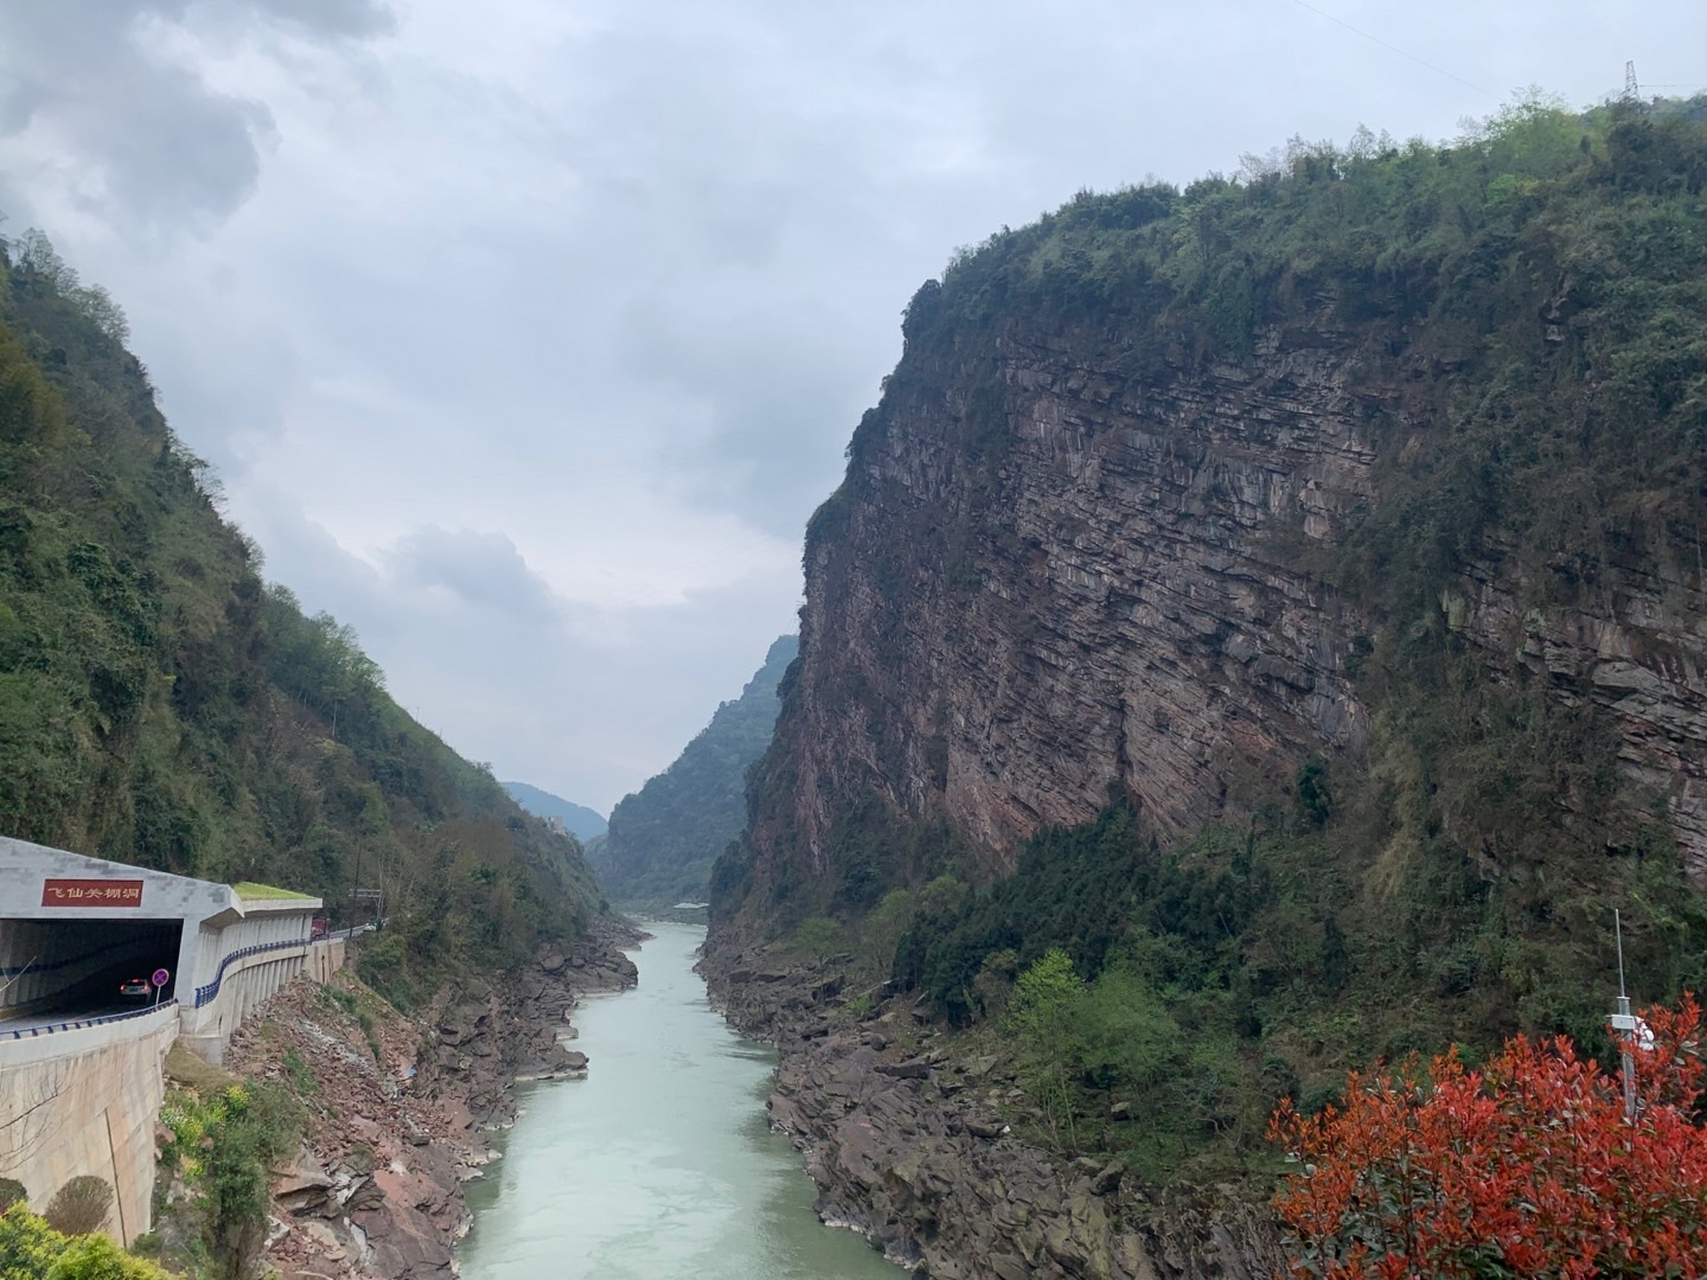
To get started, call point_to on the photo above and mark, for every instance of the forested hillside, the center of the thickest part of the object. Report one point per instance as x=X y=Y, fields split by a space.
x=1285 y=596
x=160 y=704
x=664 y=838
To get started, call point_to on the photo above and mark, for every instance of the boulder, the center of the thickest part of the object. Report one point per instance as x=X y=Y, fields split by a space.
x=912 y=1069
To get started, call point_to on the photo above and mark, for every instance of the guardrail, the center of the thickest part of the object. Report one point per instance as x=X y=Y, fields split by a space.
x=30 y=1033
x=210 y=992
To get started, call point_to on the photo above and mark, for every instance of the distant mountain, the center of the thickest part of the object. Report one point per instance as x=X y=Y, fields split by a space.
x=664 y=838
x=583 y=823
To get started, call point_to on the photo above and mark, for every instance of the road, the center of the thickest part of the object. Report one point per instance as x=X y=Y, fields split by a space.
x=94 y=997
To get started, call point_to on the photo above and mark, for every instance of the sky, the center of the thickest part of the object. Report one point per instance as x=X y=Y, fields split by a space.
x=524 y=336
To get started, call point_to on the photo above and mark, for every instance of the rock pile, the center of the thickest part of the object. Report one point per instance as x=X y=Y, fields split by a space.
x=400 y=1109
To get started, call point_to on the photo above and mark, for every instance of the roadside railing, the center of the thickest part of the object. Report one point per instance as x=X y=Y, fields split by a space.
x=210 y=992
x=30 y=1033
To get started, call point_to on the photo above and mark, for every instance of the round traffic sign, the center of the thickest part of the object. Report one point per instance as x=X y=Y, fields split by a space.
x=161 y=977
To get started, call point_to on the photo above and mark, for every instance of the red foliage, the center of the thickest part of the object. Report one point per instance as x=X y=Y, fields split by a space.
x=1526 y=1168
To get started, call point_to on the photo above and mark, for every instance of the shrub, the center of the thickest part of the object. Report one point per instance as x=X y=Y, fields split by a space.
x=224 y=1150
x=32 y=1250
x=80 y=1206
x=98 y=1258
x=12 y=1192
x=1528 y=1167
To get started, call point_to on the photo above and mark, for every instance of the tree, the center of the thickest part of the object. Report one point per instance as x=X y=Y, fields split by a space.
x=816 y=938
x=880 y=932
x=1041 y=1014
x=1527 y=1167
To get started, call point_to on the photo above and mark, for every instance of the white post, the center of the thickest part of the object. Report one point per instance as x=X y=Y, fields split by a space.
x=1624 y=1023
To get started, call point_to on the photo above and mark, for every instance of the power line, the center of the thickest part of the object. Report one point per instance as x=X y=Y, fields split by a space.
x=1394 y=48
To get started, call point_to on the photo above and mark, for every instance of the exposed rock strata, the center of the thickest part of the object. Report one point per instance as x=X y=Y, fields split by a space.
x=400 y=1110
x=1044 y=576
x=906 y=1139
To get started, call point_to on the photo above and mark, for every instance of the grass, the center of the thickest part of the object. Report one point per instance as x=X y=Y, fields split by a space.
x=250 y=891
x=187 y=1071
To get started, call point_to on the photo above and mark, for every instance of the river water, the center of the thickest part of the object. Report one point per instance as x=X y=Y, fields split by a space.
x=660 y=1165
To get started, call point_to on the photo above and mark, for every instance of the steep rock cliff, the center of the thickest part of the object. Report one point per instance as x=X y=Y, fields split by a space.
x=1179 y=492
x=1119 y=612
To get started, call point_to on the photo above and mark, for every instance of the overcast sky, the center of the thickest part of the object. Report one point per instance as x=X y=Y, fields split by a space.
x=526 y=334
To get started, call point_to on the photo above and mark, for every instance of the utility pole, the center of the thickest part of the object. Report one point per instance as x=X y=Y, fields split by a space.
x=1632 y=93
x=356 y=885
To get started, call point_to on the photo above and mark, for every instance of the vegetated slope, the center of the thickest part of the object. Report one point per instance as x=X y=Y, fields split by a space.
x=664 y=837
x=160 y=705
x=583 y=823
x=1287 y=596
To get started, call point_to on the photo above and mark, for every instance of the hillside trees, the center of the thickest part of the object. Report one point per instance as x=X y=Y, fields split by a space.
x=161 y=705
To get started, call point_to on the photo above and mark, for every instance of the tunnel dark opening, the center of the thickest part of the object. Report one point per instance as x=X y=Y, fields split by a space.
x=66 y=970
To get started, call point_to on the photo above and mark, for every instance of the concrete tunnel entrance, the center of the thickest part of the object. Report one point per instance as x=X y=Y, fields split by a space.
x=75 y=931
x=62 y=970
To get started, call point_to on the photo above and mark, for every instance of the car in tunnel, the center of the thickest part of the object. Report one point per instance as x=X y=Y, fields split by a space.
x=136 y=989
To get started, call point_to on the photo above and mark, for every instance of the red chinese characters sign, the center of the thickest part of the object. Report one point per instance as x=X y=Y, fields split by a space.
x=91 y=893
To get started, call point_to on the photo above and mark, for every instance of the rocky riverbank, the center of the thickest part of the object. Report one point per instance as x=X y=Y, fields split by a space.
x=910 y=1139
x=400 y=1109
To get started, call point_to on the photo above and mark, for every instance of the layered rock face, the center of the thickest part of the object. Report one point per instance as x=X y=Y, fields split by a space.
x=1389 y=461
x=1044 y=576
x=1640 y=656
x=1100 y=605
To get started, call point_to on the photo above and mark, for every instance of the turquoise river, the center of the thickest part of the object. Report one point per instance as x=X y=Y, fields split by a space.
x=660 y=1165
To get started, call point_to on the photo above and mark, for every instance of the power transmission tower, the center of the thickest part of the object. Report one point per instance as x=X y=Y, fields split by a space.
x=1631 y=92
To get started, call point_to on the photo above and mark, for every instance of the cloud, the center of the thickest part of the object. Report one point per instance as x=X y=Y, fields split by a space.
x=526 y=335
x=587 y=700
x=96 y=101
x=482 y=571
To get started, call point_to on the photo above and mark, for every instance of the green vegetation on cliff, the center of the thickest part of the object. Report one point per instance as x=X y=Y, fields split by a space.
x=160 y=705
x=664 y=838
x=1532 y=304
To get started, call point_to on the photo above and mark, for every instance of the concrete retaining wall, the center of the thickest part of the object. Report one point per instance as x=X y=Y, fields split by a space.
x=325 y=958
x=85 y=1101
x=244 y=984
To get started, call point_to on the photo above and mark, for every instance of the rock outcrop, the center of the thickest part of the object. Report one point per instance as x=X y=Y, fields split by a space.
x=1361 y=470
x=907 y=1138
